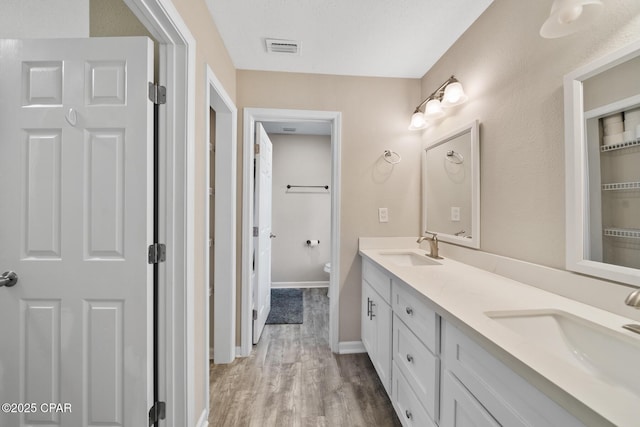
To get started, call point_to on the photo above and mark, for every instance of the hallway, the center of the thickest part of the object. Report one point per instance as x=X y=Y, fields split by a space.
x=291 y=378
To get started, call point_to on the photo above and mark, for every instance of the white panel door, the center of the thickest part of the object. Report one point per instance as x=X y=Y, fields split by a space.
x=75 y=221
x=262 y=219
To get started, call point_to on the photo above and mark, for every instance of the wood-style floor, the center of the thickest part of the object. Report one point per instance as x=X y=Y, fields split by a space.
x=292 y=378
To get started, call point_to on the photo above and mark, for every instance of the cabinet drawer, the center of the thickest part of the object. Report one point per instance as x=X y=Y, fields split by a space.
x=419 y=366
x=378 y=279
x=406 y=404
x=416 y=314
x=460 y=408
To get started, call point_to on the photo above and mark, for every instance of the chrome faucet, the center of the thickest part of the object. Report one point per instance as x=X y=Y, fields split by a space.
x=433 y=243
x=633 y=299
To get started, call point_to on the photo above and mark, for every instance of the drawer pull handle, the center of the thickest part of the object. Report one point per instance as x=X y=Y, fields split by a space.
x=409 y=358
x=408 y=414
x=409 y=311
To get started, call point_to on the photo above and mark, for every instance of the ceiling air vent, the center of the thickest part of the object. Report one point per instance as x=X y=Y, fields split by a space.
x=289 y=47
x=289 y=129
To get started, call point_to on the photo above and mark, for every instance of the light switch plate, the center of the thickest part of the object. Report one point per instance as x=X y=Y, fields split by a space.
x=383 y=215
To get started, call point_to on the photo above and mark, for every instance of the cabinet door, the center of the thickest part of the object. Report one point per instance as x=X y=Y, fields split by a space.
x=381 y=316
x=460 y=408
x=366 y=329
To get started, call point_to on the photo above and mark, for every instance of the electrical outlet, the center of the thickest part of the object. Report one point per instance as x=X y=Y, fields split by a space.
x=383 y=215
x=455 y=213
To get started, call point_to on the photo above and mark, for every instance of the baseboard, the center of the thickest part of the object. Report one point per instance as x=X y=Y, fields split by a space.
x=282 y=285
x=203 y=421
x=351 y=347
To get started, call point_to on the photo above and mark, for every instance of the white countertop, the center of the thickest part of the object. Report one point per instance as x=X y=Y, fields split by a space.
x=463 y=294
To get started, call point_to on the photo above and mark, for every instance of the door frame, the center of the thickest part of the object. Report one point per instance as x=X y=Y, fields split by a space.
x=177 y=48
x=224 y=272
x=250 y=117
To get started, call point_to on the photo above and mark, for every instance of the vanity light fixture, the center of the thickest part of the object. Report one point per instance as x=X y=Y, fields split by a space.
x=570 y=16
x=449 y=94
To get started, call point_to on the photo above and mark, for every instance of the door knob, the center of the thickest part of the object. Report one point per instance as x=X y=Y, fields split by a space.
x=8 y=279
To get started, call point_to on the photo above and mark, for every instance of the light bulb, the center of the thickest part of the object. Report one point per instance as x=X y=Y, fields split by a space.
x=433 y=110
x=418 y=121
x=453 y=95
x=569 y=14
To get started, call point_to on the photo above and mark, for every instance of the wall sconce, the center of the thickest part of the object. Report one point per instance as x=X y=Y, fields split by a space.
x=449 y=94
x=570 y=16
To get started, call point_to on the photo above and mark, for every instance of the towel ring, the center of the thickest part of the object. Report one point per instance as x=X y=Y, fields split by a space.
x=455 y=157
x=391 y=157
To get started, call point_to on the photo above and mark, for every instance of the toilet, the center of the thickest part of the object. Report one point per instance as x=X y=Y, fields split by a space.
x=327 y=269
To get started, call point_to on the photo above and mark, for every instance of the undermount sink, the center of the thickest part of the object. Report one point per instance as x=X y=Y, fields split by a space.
x=407 y=259
x=602 y=352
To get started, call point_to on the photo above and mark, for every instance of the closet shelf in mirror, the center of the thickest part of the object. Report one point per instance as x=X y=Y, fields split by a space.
x=620 y=146
x=621 y=186
x=632 y=233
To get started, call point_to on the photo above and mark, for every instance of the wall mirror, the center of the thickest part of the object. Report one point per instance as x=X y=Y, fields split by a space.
x=451 y=187
x=602 y=156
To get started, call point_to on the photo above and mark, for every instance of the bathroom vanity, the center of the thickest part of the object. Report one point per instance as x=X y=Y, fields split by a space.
x=455 y=345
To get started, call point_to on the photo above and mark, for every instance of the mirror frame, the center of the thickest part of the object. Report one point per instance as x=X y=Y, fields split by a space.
x=474 y=241
x=576 y=170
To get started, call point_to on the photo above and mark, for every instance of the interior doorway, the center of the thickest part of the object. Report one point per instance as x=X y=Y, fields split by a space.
x=301 y=204
x=266 y=117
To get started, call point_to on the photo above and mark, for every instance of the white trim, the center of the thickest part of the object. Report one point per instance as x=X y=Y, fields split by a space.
x=203 y=421
x=238 y=351
x=351 y=347
x=224 y=281
x=225 y=217
x=473 y=129
x=251 y=116
x=301 y=285
x=577 y=221
x=177 y=210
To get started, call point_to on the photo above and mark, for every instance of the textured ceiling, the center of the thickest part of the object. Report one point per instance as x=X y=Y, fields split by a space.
x=384 y=38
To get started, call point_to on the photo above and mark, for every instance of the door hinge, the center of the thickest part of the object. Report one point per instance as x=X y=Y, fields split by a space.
x=256 y=148
x=157 y=412
x=157 y=93
x=157 y=253
x=255 y=231
x=255 y=314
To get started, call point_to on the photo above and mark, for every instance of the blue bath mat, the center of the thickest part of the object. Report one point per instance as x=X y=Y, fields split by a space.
x=286 y=307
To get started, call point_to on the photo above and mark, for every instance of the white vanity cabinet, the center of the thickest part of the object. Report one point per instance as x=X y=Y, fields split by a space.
x=479 y=390
x=435 y=374
x=376 y=320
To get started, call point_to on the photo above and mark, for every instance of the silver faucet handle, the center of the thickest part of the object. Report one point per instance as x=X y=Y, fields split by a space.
x=434 y=236
x=633 y=299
